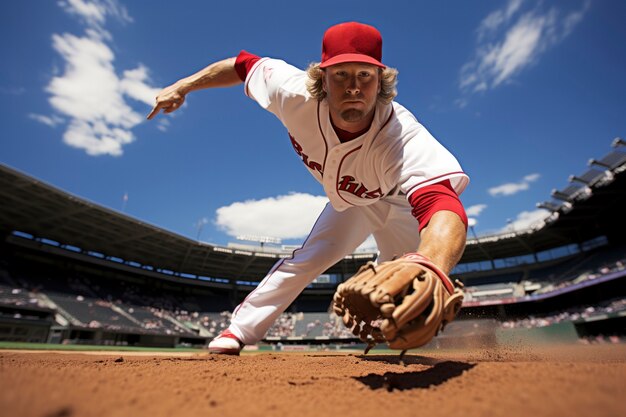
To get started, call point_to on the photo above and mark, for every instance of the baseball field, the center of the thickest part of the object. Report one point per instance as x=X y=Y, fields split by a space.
x=558 y=380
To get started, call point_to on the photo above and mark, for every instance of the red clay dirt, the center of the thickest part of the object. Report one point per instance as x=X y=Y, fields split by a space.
x=567 y=381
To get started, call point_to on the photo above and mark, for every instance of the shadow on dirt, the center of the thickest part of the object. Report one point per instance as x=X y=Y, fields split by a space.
x=397 y=360
x=401 y=381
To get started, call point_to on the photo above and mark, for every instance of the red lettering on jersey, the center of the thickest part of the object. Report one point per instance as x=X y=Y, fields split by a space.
x=312 y=165
x=347 y=184
x=362 y=190
x=315 y=166
x=350 y=185
x=296 y=145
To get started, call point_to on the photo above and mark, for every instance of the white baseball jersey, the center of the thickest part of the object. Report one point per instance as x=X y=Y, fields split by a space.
x=363 y=179
x=397 y=154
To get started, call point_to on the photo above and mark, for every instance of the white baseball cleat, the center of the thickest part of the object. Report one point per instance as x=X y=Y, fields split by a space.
x=226 y=343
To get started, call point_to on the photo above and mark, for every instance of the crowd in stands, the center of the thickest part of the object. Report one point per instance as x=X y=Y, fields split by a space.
x=587 y=275
x=210 y=323
x=549 y=284
x=101 y=303
x=573 y=314
x=131 y=308
x=17 y=297
x=284 y=326
x=86 y=304
x=310 y=325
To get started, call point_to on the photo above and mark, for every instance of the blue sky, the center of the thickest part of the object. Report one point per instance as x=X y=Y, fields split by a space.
x=522 y=92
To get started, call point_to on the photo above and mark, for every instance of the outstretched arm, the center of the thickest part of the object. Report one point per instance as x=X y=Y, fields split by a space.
x=443 y=240
x=219 y=74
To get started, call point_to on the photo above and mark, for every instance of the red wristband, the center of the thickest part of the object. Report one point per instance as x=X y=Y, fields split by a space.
x=424 y=261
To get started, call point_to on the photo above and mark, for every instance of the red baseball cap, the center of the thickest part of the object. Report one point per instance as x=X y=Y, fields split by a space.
x=352 y=42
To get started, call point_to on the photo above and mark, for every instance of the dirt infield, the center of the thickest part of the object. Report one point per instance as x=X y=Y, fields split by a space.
x=559 y=381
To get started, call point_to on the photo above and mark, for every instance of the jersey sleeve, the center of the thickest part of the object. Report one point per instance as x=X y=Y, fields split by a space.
x=244 y=63
x=428 y=200
x=270 y=82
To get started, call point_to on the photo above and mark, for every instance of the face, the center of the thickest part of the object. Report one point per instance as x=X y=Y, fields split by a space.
x=351 y=92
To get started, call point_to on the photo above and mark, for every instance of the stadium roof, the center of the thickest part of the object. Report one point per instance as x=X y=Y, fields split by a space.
x=41 y=212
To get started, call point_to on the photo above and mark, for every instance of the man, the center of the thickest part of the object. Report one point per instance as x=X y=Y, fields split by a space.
x=382 y=171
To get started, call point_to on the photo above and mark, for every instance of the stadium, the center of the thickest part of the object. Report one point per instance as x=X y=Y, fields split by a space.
x=164 y=166
x=77 y=275
x=74 y=272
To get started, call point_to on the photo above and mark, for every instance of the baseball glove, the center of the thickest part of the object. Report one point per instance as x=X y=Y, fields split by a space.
x=404 y=302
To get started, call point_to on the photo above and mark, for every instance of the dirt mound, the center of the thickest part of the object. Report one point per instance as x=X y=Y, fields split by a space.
x=572 y=381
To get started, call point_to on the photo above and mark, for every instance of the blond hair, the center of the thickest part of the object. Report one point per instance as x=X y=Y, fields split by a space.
x=388 y=82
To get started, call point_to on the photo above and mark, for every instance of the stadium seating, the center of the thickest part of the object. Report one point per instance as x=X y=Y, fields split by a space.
x=94 y=314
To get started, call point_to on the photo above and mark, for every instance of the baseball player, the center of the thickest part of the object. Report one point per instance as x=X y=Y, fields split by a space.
x=382 y=171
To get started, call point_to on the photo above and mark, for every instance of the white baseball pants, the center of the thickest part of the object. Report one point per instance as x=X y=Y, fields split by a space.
x=334 y=235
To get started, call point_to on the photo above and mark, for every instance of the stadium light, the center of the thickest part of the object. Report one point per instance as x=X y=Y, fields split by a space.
x=574 y=178
x=547 y=205
x=565 y=206
x=596 y=162
x=559 y=195
x=471 y=222
x=199 y=226
x=617 y=142
x=260 y=239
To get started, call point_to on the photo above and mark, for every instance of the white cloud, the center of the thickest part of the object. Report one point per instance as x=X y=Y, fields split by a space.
x=94 y=12
x=511 y=39
x=514 y=187
x=287 y=217
x=163 y=124
x=51 y=121
x=526 y=219
x=572 y=19
x=97 y=138
x=461 y=103
x=88 y=91
x=532 y=177
x=508 y=188
x=134 y=85
x=496 y=18
x=475 y=210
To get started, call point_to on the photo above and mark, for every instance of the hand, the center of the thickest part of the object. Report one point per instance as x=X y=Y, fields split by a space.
x=168 y=100
x=404 y=302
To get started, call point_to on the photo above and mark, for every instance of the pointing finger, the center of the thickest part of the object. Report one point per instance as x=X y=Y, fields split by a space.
x=154 y=111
